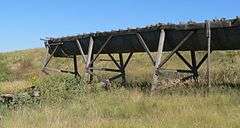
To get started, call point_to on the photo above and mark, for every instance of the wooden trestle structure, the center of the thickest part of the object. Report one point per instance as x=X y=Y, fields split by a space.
x=209 y=36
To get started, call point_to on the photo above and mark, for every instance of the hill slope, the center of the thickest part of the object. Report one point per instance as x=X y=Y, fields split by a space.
x=67 y=102
x=21 y=66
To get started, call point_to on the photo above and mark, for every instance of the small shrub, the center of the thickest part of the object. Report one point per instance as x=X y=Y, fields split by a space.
x=58 y=89
x=23 y=98
x=53 y=90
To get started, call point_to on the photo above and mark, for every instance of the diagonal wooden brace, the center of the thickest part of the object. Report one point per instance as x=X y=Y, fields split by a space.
x=184 y=60
x=101 y=49
x=176 y=49
x=81 y=51
x=114 y=61
x=47 y=60
x=203 y=60
x=127 y=60
x=141 y=40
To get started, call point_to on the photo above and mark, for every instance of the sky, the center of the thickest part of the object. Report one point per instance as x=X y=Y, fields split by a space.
x=24 y=22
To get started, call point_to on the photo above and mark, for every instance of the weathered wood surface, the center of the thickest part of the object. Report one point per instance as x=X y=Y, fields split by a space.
x=225 y=36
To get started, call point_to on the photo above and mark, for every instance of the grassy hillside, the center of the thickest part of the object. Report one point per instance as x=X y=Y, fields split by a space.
x=21 y=67
x=68 y=102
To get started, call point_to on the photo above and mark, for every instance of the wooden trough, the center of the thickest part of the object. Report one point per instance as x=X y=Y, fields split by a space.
x=209 y=36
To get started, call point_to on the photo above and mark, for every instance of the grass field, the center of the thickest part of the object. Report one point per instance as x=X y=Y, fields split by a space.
x=132 y=109
x=67 y=102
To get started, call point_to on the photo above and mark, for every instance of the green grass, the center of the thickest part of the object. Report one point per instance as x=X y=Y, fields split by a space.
x=67 y=102
x=124 y=108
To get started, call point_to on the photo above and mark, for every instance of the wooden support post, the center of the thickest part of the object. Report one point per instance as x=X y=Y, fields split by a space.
x=91 y=70
x=160 y=48
x=158 y=59
x=122 y=68
x=88 y=63
x=208 y=27
x=194 y=65
x=75 y=66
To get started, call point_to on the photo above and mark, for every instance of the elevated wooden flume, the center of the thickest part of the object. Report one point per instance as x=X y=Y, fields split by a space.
x=221 y=34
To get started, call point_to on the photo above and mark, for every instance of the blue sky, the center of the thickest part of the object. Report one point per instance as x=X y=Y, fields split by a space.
x=24 y=22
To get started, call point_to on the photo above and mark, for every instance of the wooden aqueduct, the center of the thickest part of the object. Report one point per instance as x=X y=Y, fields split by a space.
x=208 y=36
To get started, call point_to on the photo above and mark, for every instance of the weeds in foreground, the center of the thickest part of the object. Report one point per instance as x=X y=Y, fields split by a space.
x=127 y=108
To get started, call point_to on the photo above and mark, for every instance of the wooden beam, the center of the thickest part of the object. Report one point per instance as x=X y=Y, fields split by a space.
x=194 y=65
x=64 y=71
x=115 y=77
x=89 y=58
x=57 y=70
x=90 y=52
x=50 y=57
x=177 y=70
x=105 y=69
x=81 y=51
x=75 y=66
x=46 y=56
x=114 y=61
x=184 y=60
x=91 y=70
x=128 y=59
x=208 y=27
x=122 y=68
x=64 y=53
x=158 y=59
x=103 y=46
x=107 y=60
x=160 y=48
x=202 y=60
x=176 y=49
x=142 y=42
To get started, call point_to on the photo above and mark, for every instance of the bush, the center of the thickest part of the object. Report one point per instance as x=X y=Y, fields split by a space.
x=53 y=90
x=58 y=89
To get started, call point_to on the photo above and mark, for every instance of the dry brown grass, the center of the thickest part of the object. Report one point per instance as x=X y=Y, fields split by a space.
x=14 y=86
